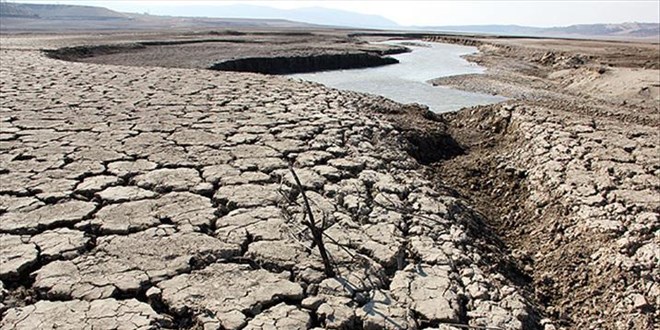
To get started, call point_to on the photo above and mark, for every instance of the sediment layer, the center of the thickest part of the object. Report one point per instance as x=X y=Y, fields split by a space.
x=298 y=64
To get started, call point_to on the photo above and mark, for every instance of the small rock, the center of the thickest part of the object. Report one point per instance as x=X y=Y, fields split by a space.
x=638 y=301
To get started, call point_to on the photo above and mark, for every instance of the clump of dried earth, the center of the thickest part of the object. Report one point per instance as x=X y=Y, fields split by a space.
x=568 y=172
x=150 y=197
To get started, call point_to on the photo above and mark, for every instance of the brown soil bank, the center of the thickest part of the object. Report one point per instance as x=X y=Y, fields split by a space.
x=296 y=64
x=268 y=53
x=569 y=173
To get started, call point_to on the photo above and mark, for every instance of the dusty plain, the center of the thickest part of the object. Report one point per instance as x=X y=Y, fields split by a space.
x=141 y=191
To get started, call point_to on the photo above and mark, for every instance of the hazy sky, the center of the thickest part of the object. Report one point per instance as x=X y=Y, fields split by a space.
x=532 y=13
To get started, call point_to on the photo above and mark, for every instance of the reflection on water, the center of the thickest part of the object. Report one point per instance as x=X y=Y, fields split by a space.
x=406 y=82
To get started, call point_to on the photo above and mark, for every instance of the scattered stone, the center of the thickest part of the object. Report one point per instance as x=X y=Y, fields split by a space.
x=638 y=301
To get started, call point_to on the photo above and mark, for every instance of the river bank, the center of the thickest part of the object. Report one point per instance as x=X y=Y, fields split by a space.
x=408 y=80
x=567 y=172
x=265 y=52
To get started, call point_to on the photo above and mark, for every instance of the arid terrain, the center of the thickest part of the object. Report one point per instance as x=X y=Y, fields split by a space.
x=568 y=172
x=141 y=190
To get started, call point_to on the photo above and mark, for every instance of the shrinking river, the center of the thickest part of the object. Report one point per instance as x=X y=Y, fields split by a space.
x=406 y=82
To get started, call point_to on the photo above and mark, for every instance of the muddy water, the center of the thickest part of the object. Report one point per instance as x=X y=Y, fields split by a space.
x=406 y=82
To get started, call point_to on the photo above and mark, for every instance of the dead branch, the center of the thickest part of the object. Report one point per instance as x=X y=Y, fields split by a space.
x=310 y=222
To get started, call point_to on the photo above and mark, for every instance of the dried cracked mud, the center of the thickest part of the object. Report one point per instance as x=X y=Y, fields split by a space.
x=568 y=172
x=157 y=198
x=136 y=197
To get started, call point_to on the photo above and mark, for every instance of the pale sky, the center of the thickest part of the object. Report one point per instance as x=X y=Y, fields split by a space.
x=530 y=13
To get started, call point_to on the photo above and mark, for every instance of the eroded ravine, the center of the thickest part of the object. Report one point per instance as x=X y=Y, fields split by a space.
x=568 y=179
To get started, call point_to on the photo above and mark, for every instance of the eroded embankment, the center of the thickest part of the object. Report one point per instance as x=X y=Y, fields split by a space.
x=576 y=199
x=301 y=64
x=568 y=174
x=282 y=59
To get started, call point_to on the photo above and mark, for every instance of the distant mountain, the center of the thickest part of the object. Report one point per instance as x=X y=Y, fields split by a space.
x=486 y=29
x=15 y=10
x=61 y=12
x=40 y=17
x=20 y=17
x=313 y=15
x=623 y=30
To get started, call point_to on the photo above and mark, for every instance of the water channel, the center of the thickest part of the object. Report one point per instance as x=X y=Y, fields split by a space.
x=406 y=82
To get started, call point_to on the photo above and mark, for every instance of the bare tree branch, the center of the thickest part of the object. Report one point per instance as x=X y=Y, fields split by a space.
x=310 y=222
